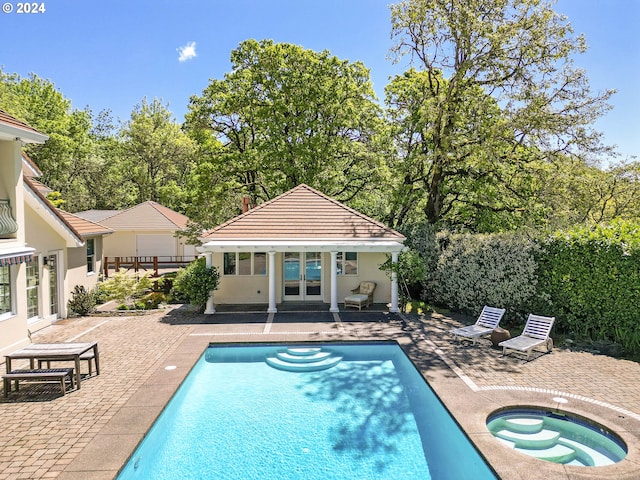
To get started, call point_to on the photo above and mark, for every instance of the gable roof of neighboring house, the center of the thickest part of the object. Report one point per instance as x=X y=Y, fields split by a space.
x=13 y=129
x=302 y=213
x=143 y=217
x=69 y=226
x=97 y=215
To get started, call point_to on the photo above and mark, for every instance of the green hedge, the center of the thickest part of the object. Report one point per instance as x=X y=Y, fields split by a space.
x=476 y=270
x=589 y=278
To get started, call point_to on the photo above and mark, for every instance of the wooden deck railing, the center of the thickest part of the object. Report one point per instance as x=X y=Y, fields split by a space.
x=145 y=263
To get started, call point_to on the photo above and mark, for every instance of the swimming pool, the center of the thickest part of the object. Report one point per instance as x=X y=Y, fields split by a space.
x=320 y=411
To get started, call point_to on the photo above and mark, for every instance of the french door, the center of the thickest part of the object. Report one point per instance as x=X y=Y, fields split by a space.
x=302 y=275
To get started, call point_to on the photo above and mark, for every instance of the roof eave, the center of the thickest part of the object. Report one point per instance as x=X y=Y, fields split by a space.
x=9 y=132
x=355 y=245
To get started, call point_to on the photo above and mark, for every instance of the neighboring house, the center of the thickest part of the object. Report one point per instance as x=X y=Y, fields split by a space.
x=145 y=230
x=302 y=246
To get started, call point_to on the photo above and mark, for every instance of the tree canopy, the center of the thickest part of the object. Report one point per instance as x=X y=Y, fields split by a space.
x=285 y=115
x=517 y=52
x=491 y=129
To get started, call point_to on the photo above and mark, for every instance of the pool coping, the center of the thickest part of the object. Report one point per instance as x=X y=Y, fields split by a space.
x=106 y=454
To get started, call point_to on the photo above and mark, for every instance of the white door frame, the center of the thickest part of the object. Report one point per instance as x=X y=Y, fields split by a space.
x=303 y=285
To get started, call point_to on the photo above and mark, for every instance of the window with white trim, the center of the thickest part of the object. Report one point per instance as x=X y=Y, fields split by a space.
x=91 y=255
x=347 y=263
x=33 y=287
x=5 y=290
x=244 y=263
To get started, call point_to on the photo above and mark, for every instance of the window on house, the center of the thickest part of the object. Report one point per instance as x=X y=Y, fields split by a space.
x=5 y=289
x=245 y=263
x=347 y=263
x=259 y=263
x=33 y=287
x=229 y=267
x=91 y=255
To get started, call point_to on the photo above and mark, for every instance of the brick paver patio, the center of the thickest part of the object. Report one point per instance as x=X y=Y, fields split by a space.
x=88 y=433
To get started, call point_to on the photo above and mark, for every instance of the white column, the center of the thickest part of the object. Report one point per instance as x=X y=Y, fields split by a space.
x=394 y=284
x=334 y=282
x=211 y=306
x=272 y=282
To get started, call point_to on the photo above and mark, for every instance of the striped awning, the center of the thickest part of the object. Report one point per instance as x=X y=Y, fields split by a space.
x=14 y=256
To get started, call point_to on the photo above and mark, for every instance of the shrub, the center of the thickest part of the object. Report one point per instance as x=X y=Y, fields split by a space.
x=152 y=300
x=473 y=270
x=82 y=302
x=125 y=288
x=195 y=282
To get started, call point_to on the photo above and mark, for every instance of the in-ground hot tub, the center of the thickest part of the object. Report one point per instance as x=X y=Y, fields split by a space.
x=556 y=436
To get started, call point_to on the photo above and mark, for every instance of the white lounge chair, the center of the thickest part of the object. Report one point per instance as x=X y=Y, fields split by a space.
x=487 y=321
x=536 y=333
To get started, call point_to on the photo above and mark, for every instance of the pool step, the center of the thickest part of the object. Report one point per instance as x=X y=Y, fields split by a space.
x=524 y=425
x=557 y=453
x=550 y=438
x=539 y=440
x=314 y=357
x=303 y=360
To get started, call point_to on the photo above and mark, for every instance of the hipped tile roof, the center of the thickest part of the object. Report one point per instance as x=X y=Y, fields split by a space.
x=302 y=213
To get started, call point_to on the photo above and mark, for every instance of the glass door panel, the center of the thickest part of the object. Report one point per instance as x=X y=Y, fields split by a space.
x=313 y=274
x=292 y=276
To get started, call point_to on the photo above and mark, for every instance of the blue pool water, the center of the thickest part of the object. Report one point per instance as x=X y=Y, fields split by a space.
x=334 y=411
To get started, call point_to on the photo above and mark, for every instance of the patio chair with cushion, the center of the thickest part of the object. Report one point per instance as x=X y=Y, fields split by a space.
x=361 y=296
x=487 y=321
x=536 y=333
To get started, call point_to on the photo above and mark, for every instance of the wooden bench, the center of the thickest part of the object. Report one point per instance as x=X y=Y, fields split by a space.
x=88 y=356
x=38 y=375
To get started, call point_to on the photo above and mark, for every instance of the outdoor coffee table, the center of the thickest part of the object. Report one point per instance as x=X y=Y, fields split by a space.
x=55 y=352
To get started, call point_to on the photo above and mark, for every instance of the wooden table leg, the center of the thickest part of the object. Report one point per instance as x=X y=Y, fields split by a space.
x=96 y=359
x=78 y=371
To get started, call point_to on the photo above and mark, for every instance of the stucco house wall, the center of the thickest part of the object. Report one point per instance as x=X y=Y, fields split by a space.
x=14 y=330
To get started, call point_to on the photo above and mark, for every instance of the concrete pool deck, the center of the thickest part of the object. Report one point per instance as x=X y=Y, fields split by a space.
x=90 y=433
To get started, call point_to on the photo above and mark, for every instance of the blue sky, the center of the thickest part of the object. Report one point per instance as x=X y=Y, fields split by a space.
x=109 y=54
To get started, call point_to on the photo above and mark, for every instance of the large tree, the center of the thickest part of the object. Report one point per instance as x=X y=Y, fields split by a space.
x=156 y=155
x=519 y=53
x=285 y=115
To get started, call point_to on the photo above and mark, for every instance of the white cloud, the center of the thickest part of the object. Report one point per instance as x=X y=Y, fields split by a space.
x=187 y=52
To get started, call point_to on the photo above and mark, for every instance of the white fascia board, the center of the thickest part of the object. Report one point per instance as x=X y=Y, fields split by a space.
x=302 y=246
x=52 y=219
x=8 y=132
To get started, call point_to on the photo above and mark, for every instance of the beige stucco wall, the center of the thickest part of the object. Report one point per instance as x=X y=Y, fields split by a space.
x=368 y=271
x=241 y=289
x=14 y=332
x=72 y=266
x=46 y=241
x=120 y=244
x=77 y=267
x=13 y=328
